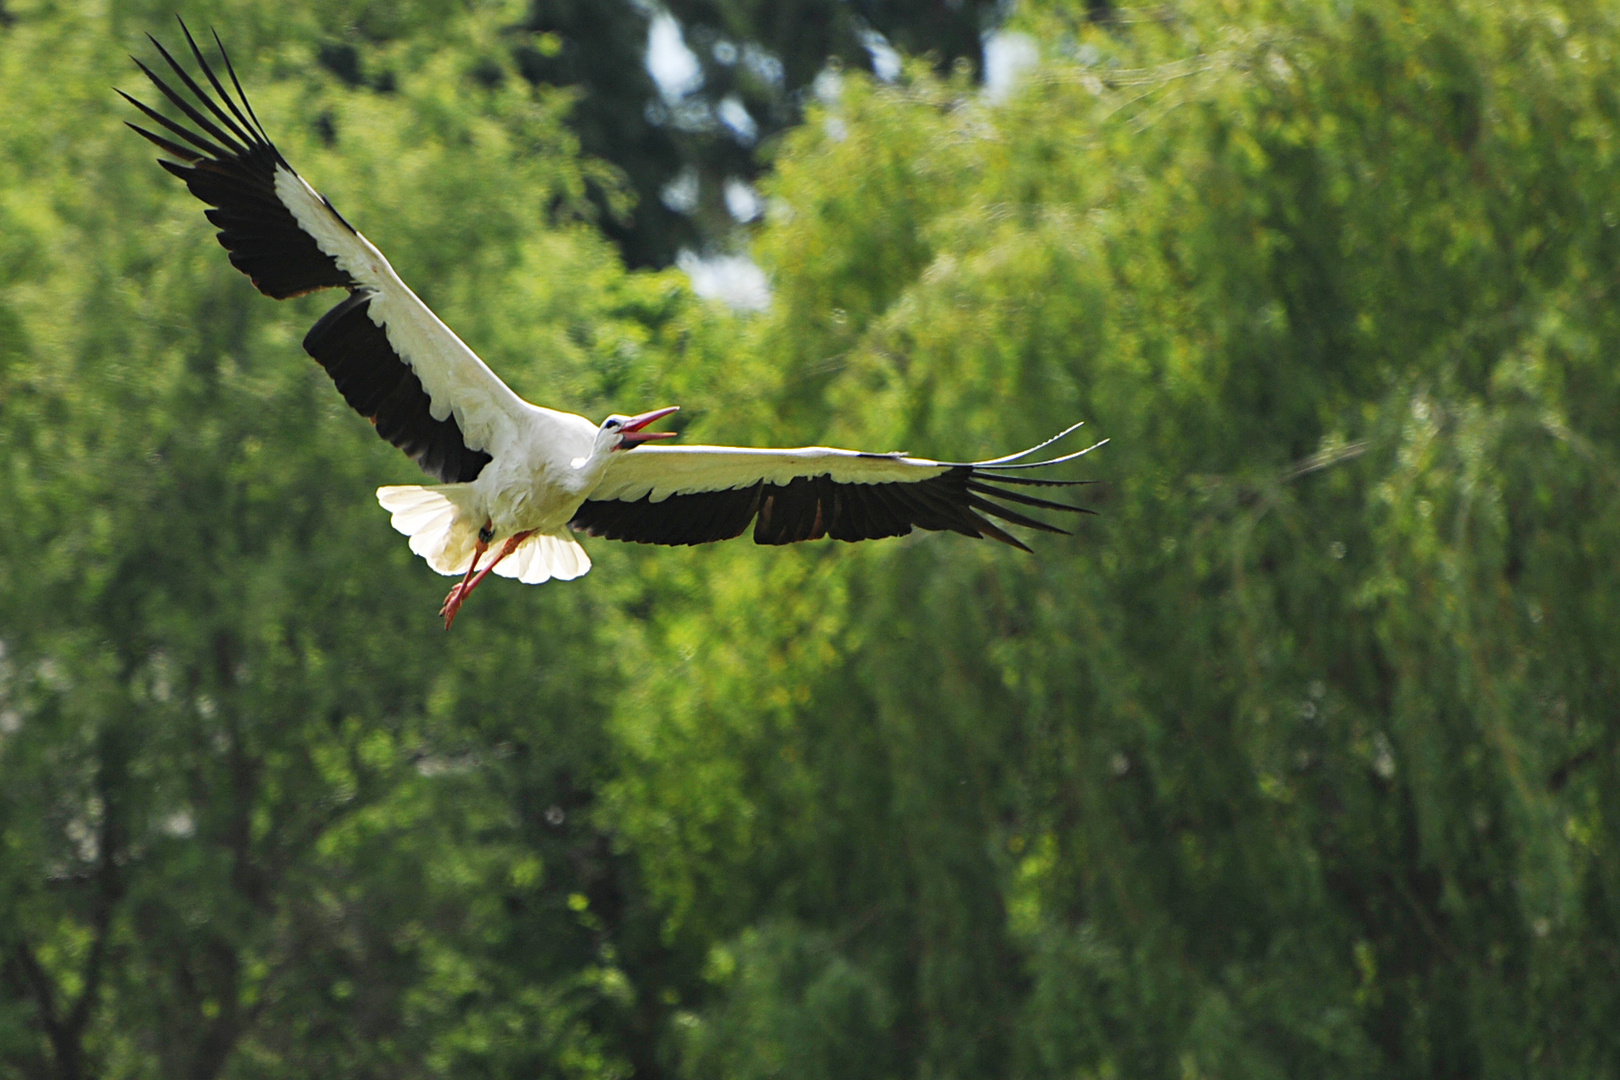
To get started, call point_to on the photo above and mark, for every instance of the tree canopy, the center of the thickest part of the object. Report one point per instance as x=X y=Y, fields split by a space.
x=1300 y=759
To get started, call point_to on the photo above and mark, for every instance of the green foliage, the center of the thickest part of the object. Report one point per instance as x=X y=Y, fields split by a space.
x=1298 y=760
x=260 y=816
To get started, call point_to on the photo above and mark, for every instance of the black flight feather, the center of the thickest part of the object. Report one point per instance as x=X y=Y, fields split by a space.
x=228 y=161
x=810 y=507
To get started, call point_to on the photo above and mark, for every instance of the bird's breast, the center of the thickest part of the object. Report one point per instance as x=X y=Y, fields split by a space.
x=542 y=498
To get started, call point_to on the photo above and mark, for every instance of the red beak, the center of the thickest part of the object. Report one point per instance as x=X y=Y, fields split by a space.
x=635 y=436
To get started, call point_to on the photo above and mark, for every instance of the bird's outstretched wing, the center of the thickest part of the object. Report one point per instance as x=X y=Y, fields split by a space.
x=698 y=494
x=390 y=356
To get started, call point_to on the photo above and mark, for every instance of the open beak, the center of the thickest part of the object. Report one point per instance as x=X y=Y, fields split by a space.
x=634 y=435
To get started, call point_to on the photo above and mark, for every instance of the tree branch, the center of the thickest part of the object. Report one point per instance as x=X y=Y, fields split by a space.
x=64 y=1044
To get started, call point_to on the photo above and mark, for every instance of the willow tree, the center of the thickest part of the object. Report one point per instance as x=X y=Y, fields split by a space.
x=1301 y=757
x=258 y=815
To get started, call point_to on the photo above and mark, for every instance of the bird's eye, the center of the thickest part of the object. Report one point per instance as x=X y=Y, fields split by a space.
x=613 y=425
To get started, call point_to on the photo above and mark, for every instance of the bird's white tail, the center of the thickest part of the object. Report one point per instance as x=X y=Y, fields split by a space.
x=441 y=525
x=544 y=556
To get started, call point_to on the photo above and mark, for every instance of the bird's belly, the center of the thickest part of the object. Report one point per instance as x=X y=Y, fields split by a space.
x=531 y=507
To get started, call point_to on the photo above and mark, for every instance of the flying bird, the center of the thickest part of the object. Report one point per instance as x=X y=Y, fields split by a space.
x=515 y=479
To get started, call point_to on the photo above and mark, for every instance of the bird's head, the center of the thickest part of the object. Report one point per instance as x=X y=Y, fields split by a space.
x=628 y=432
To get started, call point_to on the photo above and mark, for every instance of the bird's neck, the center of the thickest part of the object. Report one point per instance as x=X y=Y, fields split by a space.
x=585 y=472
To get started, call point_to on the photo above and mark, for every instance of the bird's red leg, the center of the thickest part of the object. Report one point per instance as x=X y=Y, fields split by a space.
x=453 y=601
x=459 y=594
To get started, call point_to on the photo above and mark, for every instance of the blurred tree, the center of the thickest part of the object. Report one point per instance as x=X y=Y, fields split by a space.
x=1301 y=759
x=684 y=154
x=755 y=63
x=599 y=50
x=258 y=816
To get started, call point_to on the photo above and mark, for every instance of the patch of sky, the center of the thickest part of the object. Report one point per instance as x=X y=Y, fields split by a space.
x=762 y=65
x=885 y=61
x=673 y=66
x=1008 y=57
x=829 y=84
x=742 y=200
x=734 y=114
x=681 y=193
x=734 y=280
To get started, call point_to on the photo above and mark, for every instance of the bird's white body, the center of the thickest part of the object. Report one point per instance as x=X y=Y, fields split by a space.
x=520 y=479
x=539 y=498
x=543 y=462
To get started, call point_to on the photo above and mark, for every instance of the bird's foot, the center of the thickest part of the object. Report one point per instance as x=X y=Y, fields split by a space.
x=452 y=603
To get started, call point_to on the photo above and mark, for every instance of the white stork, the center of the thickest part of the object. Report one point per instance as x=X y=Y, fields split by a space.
x=516 y=478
